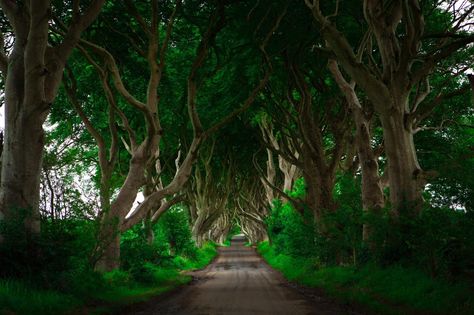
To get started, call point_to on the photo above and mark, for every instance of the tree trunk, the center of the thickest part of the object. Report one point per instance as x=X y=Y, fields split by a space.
x=271 y=173
x=21 y=166
x=405 y=174
x=326 y=186
x=109 y=242
x=148 y=226
x=109 y=234
x=312 y=192
x=23 y=148
x=319 y=189
x=372 y=193
x=32 y=80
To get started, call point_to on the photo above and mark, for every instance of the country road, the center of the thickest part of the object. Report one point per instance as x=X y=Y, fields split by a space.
x=239 y=282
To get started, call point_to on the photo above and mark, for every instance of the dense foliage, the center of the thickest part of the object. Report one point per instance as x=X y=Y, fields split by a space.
x=136 y=139
x=438 y=241
x=61 y=278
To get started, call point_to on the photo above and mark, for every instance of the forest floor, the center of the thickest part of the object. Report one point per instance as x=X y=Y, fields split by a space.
x=239 y=282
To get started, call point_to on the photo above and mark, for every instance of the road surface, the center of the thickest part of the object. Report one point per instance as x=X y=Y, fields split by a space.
x=239 y=283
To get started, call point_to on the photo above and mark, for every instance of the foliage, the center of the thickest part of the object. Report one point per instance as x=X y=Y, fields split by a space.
x=173 y=228
x=290 y=232
x=63 y=245
x=172 y=238
x=24 y=299
x=392 y=290
x=438 y=240
x=203 y=257
x=61 y=278
x=297 y=235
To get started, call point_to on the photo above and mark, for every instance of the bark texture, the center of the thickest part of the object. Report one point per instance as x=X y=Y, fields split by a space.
x=32 y=78
x=372 y=193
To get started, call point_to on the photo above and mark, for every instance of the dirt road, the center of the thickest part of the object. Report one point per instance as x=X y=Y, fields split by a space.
x=239 y=282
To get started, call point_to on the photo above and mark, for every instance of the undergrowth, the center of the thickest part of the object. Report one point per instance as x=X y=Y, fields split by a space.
x=105 y=293
x=391 y=290
x=61 y=280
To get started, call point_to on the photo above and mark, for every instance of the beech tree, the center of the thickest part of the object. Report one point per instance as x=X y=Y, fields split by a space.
x=145 y=170
x=252 y=210
x=373 y=199
x=314 y=129
x=32 y=72
x=399 y=82
x=210 y=193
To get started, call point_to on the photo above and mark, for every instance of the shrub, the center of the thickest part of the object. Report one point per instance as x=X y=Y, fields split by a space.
x=290 y=232
x=117 y=278
x=135 y=249
x=63 y=245
x=173 y=228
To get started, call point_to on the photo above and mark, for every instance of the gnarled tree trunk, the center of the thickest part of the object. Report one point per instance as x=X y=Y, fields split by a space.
x=372 y=193
x=32 y=78
x=389 y=85
x=404 y=172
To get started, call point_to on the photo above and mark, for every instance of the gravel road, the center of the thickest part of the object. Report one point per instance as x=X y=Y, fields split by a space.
x=239 y=282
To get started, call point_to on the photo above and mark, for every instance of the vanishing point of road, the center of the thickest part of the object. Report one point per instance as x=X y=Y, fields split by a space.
x=239 y=282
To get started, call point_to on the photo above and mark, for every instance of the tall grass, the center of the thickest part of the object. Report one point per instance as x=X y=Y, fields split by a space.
x=391 y=290
x=101 y=294
x=203 y=257
x=21 y=298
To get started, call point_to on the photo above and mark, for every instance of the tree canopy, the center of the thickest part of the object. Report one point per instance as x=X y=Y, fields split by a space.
x=338 y=130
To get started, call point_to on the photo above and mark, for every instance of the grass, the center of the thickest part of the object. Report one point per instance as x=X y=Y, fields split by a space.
x=100 y=294
x=391 y=290
x=203 y=257
x=20 y=298
x=116 y=297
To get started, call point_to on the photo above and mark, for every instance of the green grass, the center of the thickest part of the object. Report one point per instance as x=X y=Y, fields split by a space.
x=116 y=297
x=203 y=257
x=20 y=298
x=100 y=294
x=391 y=290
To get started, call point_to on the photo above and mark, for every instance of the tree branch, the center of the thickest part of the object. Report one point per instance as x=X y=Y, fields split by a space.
x=78 y=24
x=3 y=57
x=297 y=203
x=439 y=54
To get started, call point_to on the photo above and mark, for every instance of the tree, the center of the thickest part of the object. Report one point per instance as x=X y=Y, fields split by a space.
x=406 y=56
x=210 y=194
x=373 y=199
x=32 y=73
x=145 y=145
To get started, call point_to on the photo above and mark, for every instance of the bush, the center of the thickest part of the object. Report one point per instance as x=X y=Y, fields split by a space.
x=63 y=245
x=378 y=288
x=439 y=241
x=56 y=273
x=117 y=278
x=173 y=228
x=151 y=274
x=290 y=232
